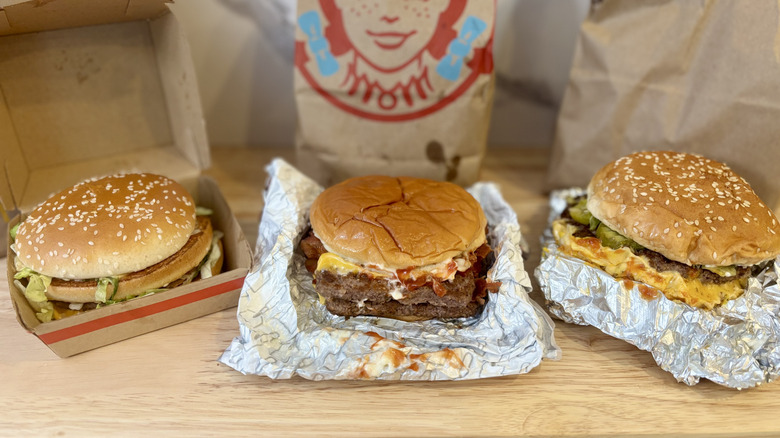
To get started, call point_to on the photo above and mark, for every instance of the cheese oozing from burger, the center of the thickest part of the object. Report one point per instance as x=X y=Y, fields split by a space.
x=623 y=263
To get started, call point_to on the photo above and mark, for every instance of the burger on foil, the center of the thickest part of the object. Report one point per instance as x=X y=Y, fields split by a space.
x=110 y=239
x=403 y=248
x=680 y=223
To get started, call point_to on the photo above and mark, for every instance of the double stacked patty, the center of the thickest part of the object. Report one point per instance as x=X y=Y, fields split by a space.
x=357 y=294
x=362 y=294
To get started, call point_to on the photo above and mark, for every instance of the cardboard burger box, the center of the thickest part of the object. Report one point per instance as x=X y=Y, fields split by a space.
x=90 y=87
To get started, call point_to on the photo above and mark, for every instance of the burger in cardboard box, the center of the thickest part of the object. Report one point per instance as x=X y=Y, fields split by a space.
x=99 y=87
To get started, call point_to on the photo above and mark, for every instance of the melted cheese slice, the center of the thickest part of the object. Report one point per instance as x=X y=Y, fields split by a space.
x=333 y=263
x=622 y=263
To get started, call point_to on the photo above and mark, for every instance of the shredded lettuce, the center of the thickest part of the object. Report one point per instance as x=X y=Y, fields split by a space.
x=13 y=231
x=37 y=284
x=101 y=293
x=142 y=294
x=46 y=312
x=24 y=273
x=35 y=292
x=203 y=211
x=213 y=257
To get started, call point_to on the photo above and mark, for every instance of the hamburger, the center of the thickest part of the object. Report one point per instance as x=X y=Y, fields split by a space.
x=110 y=239
x=404 y=248
x=680 y=223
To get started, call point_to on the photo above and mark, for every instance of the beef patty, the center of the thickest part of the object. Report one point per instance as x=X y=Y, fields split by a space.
x=356 y=294
x=358 y=287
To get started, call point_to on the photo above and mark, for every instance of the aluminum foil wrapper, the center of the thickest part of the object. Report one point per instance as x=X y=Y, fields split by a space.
x=285 y=331
x=735 y=345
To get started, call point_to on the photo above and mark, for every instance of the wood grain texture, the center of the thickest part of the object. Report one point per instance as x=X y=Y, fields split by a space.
x=169 y=383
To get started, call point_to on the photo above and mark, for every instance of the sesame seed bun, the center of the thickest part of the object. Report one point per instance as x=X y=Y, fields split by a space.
x=396 y=223
x=107 y=227
x=686 y=207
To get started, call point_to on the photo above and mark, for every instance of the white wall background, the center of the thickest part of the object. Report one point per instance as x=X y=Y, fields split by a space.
x=242 y=51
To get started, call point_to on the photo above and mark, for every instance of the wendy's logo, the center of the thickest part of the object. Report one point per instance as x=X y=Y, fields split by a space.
x=392 y=60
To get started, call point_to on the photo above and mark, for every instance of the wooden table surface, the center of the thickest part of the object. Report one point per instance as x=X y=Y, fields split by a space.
x=169 y=381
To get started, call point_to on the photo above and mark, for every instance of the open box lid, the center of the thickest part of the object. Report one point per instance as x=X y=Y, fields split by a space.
x=93 y=87
x=22 y=16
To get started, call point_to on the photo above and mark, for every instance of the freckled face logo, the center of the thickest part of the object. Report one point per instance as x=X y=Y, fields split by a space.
x=391 y=60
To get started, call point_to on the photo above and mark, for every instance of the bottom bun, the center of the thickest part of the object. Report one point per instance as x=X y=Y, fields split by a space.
x=135 y=283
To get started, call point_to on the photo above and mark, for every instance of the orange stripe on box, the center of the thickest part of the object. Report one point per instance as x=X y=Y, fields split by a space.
x=141 y=312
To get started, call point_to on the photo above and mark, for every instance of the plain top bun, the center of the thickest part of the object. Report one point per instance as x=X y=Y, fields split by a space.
x=108 y=226
x=396 y=223
x=688 y=208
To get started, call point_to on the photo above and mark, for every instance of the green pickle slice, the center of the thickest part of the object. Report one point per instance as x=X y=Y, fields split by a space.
x=615 y=240
x=608 y=237
x=579 y=212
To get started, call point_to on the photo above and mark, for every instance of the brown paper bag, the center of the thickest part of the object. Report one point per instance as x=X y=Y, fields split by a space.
x=393 y=87
x=694 y=76
x=4 y=219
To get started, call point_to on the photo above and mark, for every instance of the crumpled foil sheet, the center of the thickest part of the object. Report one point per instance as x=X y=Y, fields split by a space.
x=285 y=331
x=735 y=345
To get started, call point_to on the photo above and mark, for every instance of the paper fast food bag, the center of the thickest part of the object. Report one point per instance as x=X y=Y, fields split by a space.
x=393 y=87
x=4 y=218
x=695 y=76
